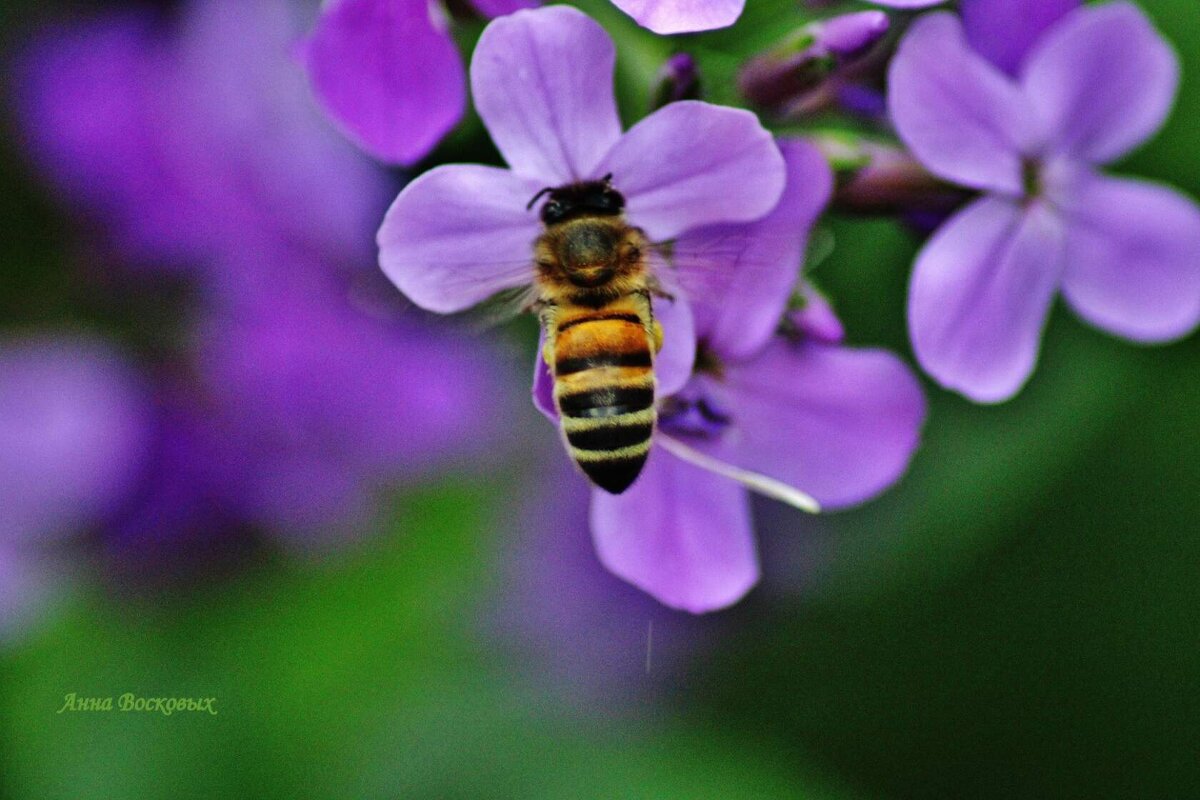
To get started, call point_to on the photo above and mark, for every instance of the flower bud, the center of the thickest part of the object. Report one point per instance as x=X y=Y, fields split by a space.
x=807 y=58
x=877 y=178
x=677 y=80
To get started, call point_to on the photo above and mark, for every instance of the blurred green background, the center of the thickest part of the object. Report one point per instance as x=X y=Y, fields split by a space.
x=1020 y=618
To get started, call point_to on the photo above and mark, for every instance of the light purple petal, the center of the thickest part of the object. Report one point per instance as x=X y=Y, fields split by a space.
x=680 y=533
x=980 y=294
x=1103 y=81
x=682 y=16
x=961 y=117
x=457 y=235
x=691 y=164
x=673 y=364
x=543 y=83
x=498 y=8
x=1133 y=258
x=816 y=319
x=739 y=277
x=836 y=423
x=393 y=83
x=907 y=3
x=1004 y=31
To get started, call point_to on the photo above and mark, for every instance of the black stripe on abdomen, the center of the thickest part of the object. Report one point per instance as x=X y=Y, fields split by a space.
x=569 y=366
x=613 y=436
x=608 y=401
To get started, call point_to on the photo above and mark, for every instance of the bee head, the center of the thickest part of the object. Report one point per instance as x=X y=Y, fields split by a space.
x=586 y=198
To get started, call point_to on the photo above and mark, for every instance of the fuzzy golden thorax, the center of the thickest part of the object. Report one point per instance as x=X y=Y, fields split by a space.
x=591 y=256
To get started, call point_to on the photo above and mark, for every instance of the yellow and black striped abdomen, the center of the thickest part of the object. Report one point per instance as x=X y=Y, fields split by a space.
x=603 y=370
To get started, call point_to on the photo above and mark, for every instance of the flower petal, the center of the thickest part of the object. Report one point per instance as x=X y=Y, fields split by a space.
x=457 y=235
x=691 y=164
x=837 y=423
x=961 y=117
x=677 y=16
x=673 y=364
x=1133 y=259
x=1103 y=81
x=1004 y=31
x=680 y=533
x=739 y=277
x=543 y=83
x=980 y=294
x=392 y=82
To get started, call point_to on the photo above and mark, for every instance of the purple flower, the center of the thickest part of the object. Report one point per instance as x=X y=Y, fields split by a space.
x=389 y=74
x=297 y=399
x=73 y=435
x=461 y=233
x=773 y=413
x=1126 y=253
x=764 y=411
x=330 y=402
x=193 y=138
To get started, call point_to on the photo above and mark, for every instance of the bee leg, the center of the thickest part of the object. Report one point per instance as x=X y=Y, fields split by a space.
x=548 y=352
x=657 y=332
x=658 y=291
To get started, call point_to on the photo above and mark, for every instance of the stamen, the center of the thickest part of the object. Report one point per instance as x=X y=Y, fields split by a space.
x=764 y=485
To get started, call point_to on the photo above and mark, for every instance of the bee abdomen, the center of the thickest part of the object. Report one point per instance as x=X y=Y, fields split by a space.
x=605 y=398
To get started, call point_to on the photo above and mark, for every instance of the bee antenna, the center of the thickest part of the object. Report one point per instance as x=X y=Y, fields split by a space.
x=607 y=180
x=538 y=196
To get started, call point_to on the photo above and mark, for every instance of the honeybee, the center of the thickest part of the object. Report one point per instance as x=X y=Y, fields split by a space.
x=594 y=285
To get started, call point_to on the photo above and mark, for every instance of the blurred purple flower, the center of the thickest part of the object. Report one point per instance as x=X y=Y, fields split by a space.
x=194 y=139
x=461 y=233
x=73 y=438
x=330 y=401
x=1125 y=253
x=298 y=401
x=304 y=408
x=73 y=426
x=763 y=411
x=389 y=74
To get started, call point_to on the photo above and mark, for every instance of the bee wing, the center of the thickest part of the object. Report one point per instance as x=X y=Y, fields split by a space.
x=502 y=307
x=709 y=266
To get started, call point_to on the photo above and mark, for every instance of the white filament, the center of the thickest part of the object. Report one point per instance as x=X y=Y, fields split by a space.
x=768 y=487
